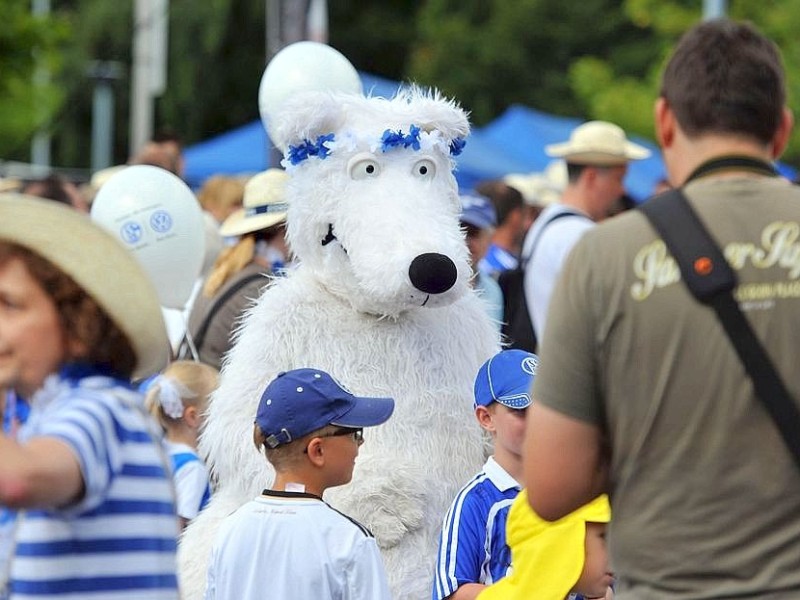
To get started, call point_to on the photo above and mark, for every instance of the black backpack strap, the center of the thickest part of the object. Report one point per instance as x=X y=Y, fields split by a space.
x=523 y=261
x=711 y=280
x=217 y=305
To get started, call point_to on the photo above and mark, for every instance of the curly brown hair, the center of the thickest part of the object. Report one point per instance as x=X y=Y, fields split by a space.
x=82 y=319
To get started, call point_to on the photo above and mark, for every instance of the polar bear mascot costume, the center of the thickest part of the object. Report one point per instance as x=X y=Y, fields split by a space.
x=381 y=299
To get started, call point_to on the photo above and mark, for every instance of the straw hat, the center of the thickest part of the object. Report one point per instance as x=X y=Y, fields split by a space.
x=9 y=184
x=534 y=187
x=264 y=204
x=598 y=143
x=98 y=263
x=103 y=175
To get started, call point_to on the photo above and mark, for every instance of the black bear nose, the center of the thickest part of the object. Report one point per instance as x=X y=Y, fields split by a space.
x=432 y=273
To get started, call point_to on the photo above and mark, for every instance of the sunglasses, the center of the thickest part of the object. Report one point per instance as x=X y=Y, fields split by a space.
x=356 y=434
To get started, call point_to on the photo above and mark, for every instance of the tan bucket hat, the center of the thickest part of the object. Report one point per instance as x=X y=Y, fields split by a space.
x=264 y=204
x=97 y=262
x=597 y=143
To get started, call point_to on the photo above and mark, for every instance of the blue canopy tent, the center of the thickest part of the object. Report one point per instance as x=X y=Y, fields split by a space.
x=524 y=132
x=512 y=143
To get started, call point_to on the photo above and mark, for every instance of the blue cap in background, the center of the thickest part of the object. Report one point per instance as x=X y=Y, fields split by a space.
x=477 y=210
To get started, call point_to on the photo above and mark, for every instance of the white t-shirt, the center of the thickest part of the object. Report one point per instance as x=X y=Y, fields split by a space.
x=290 y=545
x=552 y=247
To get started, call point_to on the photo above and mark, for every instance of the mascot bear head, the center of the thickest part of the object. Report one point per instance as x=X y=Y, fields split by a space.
x=373 y=203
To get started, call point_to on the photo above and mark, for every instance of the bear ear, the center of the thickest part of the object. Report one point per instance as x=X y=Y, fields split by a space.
x=432 y=111
x=305 y=117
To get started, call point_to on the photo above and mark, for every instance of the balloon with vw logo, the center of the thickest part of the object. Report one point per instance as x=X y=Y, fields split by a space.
x=157 y=217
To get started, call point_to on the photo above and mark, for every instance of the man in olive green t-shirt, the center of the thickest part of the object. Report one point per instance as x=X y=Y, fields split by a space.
x=640 y=392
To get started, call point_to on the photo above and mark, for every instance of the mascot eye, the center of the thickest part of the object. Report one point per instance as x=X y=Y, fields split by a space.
x=363 y=168
x=424 y=169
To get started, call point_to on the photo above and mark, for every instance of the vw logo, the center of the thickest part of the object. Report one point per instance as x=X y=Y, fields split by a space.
x=131 y=232
x=161 y=221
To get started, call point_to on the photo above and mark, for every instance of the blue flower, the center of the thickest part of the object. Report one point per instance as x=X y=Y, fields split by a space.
x=395 y=139
x=457 y=146
x=307 y=148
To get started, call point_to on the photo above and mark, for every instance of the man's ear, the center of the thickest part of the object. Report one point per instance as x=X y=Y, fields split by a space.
x=664 y=123
x=781 y=137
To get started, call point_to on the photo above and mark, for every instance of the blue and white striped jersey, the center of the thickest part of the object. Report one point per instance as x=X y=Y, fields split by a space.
x=190 y=476
x=119 y=540
x=472 y=547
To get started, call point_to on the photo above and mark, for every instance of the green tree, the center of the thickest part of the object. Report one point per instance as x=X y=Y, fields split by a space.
x=610 y=93
x=216 y=58
x=493 y=54
x=28 y=45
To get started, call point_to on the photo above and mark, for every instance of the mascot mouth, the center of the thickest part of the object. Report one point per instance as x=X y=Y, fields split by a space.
x=430 y=273
x=331 y=237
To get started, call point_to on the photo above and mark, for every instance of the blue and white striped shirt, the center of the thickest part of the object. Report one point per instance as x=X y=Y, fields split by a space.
x=119 y=541
x=472 y=547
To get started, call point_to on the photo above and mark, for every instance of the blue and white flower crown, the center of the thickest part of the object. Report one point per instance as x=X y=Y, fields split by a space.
x=416 y=139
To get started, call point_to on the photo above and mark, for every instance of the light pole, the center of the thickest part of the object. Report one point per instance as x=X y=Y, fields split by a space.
x=714 y=9
x=103 y=73
x=40 y=147
x=150 y=23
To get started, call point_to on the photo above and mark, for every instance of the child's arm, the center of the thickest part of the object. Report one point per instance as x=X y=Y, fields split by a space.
x=468 y=591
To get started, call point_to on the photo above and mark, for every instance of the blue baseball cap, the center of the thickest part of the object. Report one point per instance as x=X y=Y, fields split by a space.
x=477 y=210
x=506 y=378
x=300 y=401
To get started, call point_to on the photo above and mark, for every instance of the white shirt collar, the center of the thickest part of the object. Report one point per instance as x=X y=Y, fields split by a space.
x=499 y=476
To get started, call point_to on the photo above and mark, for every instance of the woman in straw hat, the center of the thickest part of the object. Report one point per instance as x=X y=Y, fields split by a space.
x=239 y=273
x=78 y=319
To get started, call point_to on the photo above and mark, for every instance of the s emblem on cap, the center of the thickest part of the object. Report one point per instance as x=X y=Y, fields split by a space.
x=530 y=364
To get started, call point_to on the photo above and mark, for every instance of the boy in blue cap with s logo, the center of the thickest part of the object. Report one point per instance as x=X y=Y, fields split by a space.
x=287 y=542
x=473 y=552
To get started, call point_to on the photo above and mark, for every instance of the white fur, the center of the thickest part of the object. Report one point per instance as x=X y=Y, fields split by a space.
x=351 y=309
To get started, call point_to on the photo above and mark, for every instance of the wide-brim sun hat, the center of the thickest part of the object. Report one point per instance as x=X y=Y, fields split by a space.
x=98 y=263
x=598 y=143
x=263 y=206
x=536 y=188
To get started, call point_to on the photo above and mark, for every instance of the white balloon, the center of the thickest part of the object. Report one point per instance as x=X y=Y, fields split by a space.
x=303 y=67
x=156 y=216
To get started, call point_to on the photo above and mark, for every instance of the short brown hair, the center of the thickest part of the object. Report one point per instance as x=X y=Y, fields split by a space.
x=286 y=455
x=725 y=77
x=504 y=197
x=81 y=318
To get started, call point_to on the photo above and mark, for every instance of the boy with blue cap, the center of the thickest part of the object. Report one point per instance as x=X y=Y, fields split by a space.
x=473 y=552
x=287 y=542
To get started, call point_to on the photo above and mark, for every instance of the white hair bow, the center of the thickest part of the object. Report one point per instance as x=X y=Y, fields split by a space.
x=169 y=396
